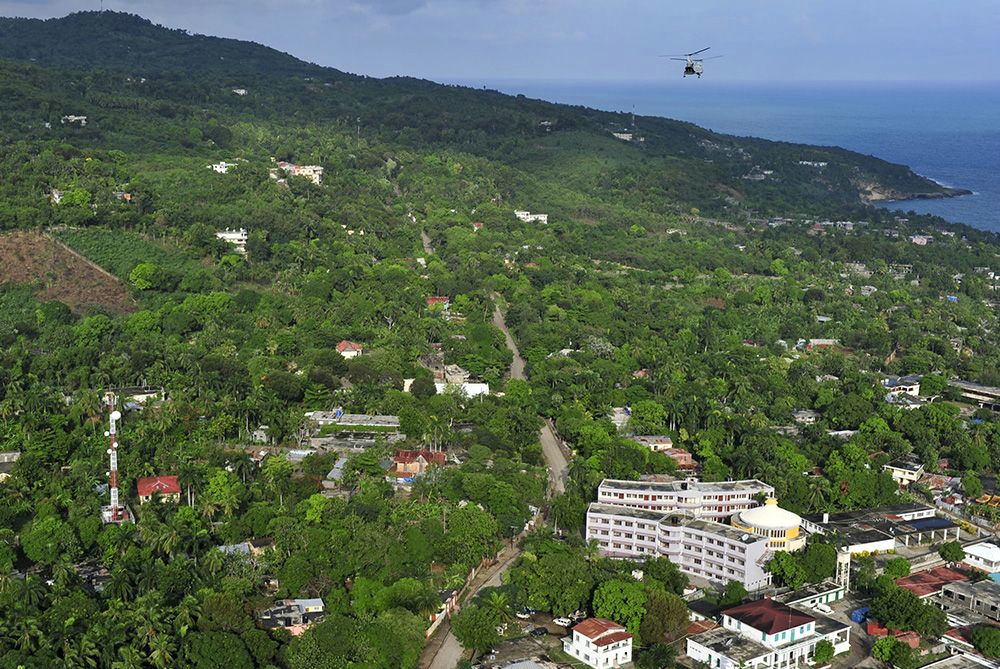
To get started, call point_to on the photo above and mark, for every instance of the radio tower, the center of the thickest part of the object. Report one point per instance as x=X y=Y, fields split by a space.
x=115 y=513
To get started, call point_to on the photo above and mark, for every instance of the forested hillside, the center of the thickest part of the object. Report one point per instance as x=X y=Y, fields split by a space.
x=663 y=280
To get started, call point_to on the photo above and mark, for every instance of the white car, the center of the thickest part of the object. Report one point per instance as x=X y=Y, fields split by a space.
x=523 y=615
x=562 y=622
x=823 y=608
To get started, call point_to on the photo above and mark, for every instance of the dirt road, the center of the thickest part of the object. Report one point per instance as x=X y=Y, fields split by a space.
x=555 y=458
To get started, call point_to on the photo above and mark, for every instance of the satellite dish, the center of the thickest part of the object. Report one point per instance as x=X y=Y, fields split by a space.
x=116 y=415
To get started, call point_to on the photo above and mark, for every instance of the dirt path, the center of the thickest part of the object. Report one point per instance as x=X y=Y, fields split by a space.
x=428 y=249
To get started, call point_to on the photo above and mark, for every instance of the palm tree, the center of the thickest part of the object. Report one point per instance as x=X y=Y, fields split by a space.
x=161 y=651
x=498 y=602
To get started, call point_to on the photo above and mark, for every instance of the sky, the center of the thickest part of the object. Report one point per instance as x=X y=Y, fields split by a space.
x=484 y=41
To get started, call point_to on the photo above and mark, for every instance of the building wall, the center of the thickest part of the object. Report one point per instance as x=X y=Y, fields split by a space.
x=696 y=551
x=600 y=657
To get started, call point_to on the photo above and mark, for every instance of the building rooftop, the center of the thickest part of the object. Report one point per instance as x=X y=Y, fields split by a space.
x=768 y=616
x=595 y=627
x=726 y=531
x=770 y=516
x=906 y=464
x=987 y=552
x=735 y=646
x=164 y=485
x=625 y=511
x=749 y=485
x=983 y=589
x=808 y=592
x=928 y=582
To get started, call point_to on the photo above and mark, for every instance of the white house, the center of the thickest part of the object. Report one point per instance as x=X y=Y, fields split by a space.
x=599 y=643
x=221 y=167
x=237 y=238
x=350 y=349
x=983 y=556
x=528 y=217
x=467 y=388
x=73 y=119
x=904 y=471
x=655 y=443
x=766 y=633
x=896 y=385
x=240 y=91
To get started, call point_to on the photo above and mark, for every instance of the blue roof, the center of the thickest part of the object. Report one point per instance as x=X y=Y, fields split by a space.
x=931 y=523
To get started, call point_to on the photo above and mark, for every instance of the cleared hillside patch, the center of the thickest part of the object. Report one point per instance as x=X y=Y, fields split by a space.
x=54 y=272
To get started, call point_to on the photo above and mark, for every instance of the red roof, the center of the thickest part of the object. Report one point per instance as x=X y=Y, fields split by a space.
x=699 y=626
x=347 y=345
x=613 y=637
x=438 y=299
x=768 y=616
x=165 y=485
x=874 y=628
x=924 y=583
x=592 y=628
x=434 y=457
x=911 y=639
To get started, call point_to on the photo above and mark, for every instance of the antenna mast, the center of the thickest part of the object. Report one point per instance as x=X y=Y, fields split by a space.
x=115 y=512
x=113 y=474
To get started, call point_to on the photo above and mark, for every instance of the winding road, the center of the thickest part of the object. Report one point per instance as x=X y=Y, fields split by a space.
x=444 y=651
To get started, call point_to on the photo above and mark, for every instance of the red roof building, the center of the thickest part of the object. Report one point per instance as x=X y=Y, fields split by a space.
x=768 y=616
x=599 y=642
x=926 y=583
x=407 y=465
x=350 y=349
x=164 y=486
x=443 y=300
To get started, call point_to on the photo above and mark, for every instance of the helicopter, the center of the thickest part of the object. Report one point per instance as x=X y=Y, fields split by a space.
x=692 y=65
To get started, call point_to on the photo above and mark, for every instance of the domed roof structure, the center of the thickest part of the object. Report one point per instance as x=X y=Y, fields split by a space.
x=770 y=516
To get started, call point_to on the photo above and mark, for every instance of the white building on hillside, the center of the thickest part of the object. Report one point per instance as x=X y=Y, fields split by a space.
x=222 y=167
x=528 y=217
x=237 y=238
x=715 y=501
x=599 y=643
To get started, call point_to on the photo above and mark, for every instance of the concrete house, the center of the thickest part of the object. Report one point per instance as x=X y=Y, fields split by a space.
x=599 y=643
x=166 y=487
x=766 y=633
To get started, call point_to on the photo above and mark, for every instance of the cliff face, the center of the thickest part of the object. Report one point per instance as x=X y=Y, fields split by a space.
x=874 y=193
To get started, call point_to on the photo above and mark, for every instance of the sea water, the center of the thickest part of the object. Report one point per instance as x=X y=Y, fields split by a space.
x=949 y=132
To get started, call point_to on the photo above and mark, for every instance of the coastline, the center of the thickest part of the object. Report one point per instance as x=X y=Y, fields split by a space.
x=947 y=194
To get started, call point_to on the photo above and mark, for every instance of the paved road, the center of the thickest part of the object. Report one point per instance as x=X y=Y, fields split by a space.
x=444 y=651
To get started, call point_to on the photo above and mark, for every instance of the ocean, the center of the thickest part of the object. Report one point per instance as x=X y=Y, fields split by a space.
x=949 y=132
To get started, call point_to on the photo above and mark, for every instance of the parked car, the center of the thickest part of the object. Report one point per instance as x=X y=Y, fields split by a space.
x=538 y=631
x=523 y=614
x=823 y=608
x=563 y=622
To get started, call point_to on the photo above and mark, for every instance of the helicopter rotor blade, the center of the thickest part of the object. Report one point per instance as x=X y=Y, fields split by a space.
x=695 y=53
x=709 y=58
x=674 y=58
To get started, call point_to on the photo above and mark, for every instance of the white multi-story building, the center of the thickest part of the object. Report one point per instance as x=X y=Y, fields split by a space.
x=701 y=548
x=715 y=501
x=528 y=217
x=237 y=238
x=766 y=633
x=222 y=167
x=599 y=643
